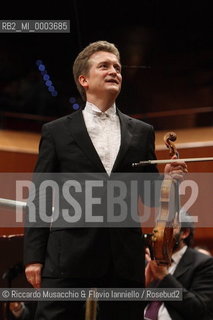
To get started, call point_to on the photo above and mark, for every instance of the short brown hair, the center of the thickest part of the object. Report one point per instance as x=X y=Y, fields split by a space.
x=81 y=65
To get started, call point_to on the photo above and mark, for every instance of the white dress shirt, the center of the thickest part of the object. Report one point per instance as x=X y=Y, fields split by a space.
x=176 y=257
x=104 y=131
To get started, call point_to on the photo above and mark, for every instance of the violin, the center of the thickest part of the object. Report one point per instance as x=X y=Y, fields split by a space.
x=161 y=240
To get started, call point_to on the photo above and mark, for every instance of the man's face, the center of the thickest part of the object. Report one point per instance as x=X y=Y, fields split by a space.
x=179 y=235
x=104 y=76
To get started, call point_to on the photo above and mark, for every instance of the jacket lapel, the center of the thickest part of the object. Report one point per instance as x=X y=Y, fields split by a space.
x=82 y=138
x=184 y=264
x=126 y=136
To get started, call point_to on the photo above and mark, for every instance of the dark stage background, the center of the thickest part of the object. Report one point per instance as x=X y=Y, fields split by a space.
x=166 y=49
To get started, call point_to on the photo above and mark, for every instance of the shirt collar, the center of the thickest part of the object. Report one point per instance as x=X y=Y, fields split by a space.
x=93 y=109
x=176 y=257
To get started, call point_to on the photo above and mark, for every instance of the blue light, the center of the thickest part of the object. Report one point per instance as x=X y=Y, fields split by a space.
x=48 y=83
x=46 y=77
x=72 y=100
x=51 y=88
x=38 y=62
x=76 y=106
x=54 y=93
x=41 y=67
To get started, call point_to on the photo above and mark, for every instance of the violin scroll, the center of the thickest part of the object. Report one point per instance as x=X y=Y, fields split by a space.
x=169 y=139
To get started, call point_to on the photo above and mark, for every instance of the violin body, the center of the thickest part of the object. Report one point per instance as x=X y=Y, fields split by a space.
x=162 y=237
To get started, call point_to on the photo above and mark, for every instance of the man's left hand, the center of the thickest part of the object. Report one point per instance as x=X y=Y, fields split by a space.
x=153 y=271
x=176 y=169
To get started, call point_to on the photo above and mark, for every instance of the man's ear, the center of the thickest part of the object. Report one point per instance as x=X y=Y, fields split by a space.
x=185 y=233
x=83 y=81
